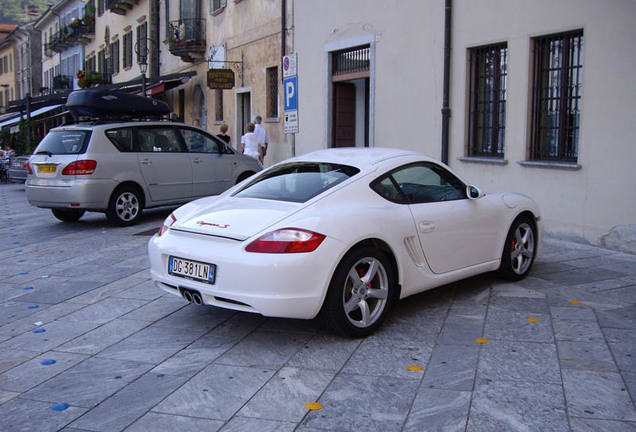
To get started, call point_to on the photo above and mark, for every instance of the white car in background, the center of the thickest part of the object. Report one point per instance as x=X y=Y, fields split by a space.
x=344 y=233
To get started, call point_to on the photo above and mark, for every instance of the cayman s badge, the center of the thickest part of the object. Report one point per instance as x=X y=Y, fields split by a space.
x=201 y=223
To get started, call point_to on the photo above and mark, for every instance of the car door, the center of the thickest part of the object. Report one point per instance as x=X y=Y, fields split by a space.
x=212 y=167
x=455 y=232
x=164 y=163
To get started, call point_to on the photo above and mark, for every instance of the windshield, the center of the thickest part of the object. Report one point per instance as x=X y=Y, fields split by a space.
x=297 y=182
x=64 y=142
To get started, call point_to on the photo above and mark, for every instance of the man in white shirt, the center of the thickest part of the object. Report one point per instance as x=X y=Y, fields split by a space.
x=262 y=135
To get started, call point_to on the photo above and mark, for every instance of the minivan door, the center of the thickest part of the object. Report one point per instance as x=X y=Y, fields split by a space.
x=212 y=168
x=164 y=163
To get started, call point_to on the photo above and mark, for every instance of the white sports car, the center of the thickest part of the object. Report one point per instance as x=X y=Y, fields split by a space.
x=344 y=233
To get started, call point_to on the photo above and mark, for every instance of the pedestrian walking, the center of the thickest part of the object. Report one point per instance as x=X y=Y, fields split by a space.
x=250 y=144
x=262 y=135
x=223 y=135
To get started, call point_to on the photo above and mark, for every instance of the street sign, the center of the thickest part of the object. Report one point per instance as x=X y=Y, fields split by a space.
x=289 y=65
x=291 y=121
x=222 y=79
x=290 y=93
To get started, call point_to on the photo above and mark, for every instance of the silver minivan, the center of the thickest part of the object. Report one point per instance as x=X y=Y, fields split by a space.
x=120 y=168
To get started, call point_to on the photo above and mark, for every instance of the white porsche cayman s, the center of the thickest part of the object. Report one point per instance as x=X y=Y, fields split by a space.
x=344 y=233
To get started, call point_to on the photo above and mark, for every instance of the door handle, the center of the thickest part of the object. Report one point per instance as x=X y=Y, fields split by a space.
x=146 y=162
x=426 y=227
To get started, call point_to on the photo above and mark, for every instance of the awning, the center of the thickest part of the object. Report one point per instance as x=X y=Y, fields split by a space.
x=165 y=85
x=37 y=112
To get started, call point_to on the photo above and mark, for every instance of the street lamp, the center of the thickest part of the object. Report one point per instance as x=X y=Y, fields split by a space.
x=143 y=68
x=141 y=48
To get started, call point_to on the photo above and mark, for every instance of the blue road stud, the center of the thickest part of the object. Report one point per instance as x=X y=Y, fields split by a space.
x=28 y=288
x=33 y=307
x=38 y=331
x=60 y=406
x=47 y=362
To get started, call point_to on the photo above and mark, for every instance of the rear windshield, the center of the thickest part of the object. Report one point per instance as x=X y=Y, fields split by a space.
x=297 y=182
x=64 y=142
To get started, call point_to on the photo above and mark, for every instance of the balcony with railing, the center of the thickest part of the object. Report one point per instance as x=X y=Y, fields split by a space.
x=77 y=32
x=121 y=7
x=187 y=39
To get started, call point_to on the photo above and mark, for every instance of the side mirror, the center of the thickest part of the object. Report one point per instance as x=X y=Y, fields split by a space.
x=473 y=192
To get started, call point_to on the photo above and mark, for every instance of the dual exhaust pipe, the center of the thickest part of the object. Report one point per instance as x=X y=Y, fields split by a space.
x=192 y=296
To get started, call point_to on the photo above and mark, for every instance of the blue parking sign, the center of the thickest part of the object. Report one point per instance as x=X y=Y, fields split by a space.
x=290 y=92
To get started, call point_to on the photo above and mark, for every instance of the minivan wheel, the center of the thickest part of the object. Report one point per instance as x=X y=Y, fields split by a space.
x=68 y=215
x=125 y=206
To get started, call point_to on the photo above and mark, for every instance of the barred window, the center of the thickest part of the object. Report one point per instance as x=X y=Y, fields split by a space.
x=218 y=105
x=487 y=100
x=556 y=108
x=271 y=92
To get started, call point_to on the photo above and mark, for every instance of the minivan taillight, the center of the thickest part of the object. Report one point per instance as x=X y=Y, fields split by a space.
x=80 y=167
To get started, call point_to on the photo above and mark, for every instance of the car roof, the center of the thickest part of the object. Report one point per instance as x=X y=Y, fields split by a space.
x=360 y=157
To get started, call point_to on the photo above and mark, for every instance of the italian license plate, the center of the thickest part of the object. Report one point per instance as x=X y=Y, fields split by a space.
x=49 y=169
x=192 y=269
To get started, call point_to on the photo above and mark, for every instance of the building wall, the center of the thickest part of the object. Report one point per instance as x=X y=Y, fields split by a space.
x=594 y=203
x=587 y=203
x=7 y=77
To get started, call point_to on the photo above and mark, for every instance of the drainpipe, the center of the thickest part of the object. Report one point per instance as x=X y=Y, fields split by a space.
x=283 y=51
x=446 y=111
x=154 y=67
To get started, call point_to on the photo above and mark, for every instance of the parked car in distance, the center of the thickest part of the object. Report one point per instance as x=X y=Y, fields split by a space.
x=344 y=233
x=118 y=166
x=16 y=170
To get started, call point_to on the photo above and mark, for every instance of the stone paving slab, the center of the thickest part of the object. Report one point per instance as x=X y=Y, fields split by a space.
x=556 y=351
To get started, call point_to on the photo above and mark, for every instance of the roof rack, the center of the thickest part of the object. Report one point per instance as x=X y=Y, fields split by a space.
x=109 y=105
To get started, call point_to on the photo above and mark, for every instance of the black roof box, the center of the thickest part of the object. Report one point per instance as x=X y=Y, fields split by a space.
x=110 y=104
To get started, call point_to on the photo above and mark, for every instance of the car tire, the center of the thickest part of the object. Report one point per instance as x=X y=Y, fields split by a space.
x=360 y=293
x=68 y=215
x=519 y=250
x=125 y=206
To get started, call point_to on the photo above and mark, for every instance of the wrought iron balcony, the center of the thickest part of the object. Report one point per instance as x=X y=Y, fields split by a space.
x=187 y=38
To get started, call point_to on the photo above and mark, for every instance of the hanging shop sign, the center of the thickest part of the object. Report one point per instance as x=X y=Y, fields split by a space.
x=221 y=79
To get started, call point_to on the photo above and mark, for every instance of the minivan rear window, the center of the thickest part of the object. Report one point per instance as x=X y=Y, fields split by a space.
x=64 y=142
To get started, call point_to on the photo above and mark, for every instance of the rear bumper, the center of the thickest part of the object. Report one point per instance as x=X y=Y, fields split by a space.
x=78 y=194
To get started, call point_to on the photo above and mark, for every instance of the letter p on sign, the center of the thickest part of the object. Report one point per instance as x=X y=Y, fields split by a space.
x=290 y=86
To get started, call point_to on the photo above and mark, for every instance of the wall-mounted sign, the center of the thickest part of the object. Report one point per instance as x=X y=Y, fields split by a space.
x=222 y=79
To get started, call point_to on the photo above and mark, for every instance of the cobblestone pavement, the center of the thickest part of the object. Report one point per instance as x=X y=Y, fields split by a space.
x=88 y=344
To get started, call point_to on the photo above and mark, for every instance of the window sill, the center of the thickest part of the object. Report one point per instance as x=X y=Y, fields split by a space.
x=483 y=160
x=551 y=165
x=217 y=11
x=272 y=120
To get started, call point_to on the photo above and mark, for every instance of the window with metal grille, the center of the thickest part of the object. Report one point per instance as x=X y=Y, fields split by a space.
x=271 y=78
x=487 y=100
x=128 y=50
x=556 y=107
x=352 y=60
x=218 y=105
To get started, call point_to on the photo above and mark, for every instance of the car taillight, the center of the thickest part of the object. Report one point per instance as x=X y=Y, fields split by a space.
x=286 y=240
x=28 y=167
x=80 y=167
x=170 y=220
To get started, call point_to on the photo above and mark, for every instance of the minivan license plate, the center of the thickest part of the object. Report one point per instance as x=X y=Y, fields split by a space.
x=192 y=269
x=46 y=169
